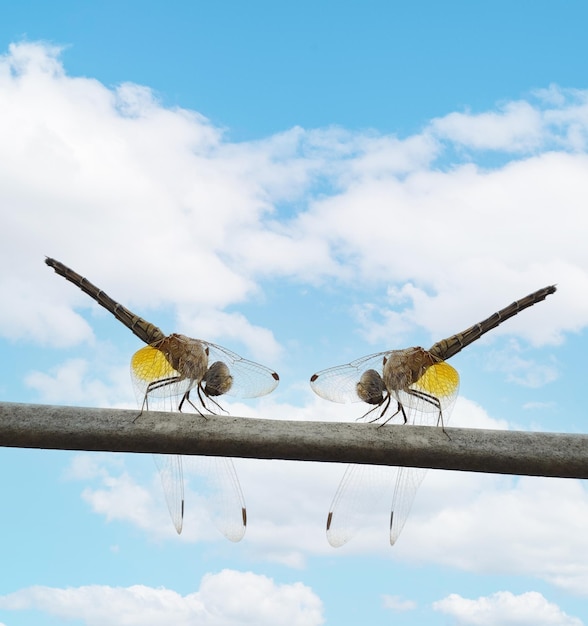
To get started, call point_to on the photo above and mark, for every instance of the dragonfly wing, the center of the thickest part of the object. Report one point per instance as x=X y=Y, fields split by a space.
x=215 y=479
x=172 y=481
x=408 y=481
x=339 y=384
x=250 y=379
x=358 y=494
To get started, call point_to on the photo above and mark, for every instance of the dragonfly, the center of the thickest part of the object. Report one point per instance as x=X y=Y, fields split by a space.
x=412 y=385
x=175 y=366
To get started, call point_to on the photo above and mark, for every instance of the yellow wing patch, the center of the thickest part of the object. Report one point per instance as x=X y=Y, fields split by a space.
x=149 y=364
x=440 y=380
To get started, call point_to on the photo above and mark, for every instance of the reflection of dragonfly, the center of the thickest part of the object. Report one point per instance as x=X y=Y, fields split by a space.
x=174 y=366
x=413 y=385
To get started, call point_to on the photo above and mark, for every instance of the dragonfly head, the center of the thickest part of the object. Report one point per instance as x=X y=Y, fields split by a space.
x=217 y=380
x=370 y=387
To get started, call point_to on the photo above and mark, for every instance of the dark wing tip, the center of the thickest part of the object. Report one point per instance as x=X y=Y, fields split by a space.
x=275 y=376
x=329 y=520
x=313 y=378
x=181 y=524
x=392 y=537
x=244 y=516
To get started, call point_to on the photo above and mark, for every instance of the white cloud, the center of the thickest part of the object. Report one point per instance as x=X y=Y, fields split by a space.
x=523 y=526
x=396 y=603
x=541 y=406
x=506 y=609
x=184 y=216
x=113 y=166
x=518 y=126
x=84 y=381
x=234 y=327
x=521 y=370
x=114 y=493
x=229 y=597
x=286 y=519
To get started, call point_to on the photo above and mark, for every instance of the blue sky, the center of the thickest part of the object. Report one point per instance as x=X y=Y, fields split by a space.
x=303 y=185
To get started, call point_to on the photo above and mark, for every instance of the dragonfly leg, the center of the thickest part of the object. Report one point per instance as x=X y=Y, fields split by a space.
x=399 y=409
x=200 y=390
x=144 y=407
x=431 y=399
x=385 y=403
x=361 y=417
x=186 y=397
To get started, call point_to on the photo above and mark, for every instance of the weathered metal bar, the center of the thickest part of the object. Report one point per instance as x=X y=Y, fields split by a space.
x=492 y=451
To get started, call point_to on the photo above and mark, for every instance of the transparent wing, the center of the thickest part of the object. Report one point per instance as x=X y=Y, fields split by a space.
x=408 y=481
x=358 y=494
x=215 y=480
x=250 y=379
x=339 y=384
x=172 y=480
x=151 y=372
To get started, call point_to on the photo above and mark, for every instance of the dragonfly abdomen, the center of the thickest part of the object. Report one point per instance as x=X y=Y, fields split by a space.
x=446 y=348
x=149 y=333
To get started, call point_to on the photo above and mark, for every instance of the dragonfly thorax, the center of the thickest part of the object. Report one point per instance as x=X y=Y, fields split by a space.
x=186 y=355
x=402 y=368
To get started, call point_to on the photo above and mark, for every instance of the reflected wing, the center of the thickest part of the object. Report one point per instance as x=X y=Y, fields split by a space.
x=357 y=496
x=215 y=479
x=150 y=367
x=408 y=481
x=339 y=384
x=250 y=379
x=172 y=481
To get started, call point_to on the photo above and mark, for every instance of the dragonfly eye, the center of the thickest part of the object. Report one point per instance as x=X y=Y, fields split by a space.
x=370 y=387
x=217 y=380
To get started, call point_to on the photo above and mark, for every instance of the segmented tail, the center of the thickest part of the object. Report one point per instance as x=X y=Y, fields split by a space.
x=446 y=348
x=147 y=332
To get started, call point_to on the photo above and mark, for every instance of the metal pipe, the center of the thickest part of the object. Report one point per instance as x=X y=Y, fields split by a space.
x=491 y=451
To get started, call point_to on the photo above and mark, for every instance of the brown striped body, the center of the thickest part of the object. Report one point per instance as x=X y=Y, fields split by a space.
x=446 y=348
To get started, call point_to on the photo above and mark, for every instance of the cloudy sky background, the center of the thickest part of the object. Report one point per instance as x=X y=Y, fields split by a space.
x=303 y=186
